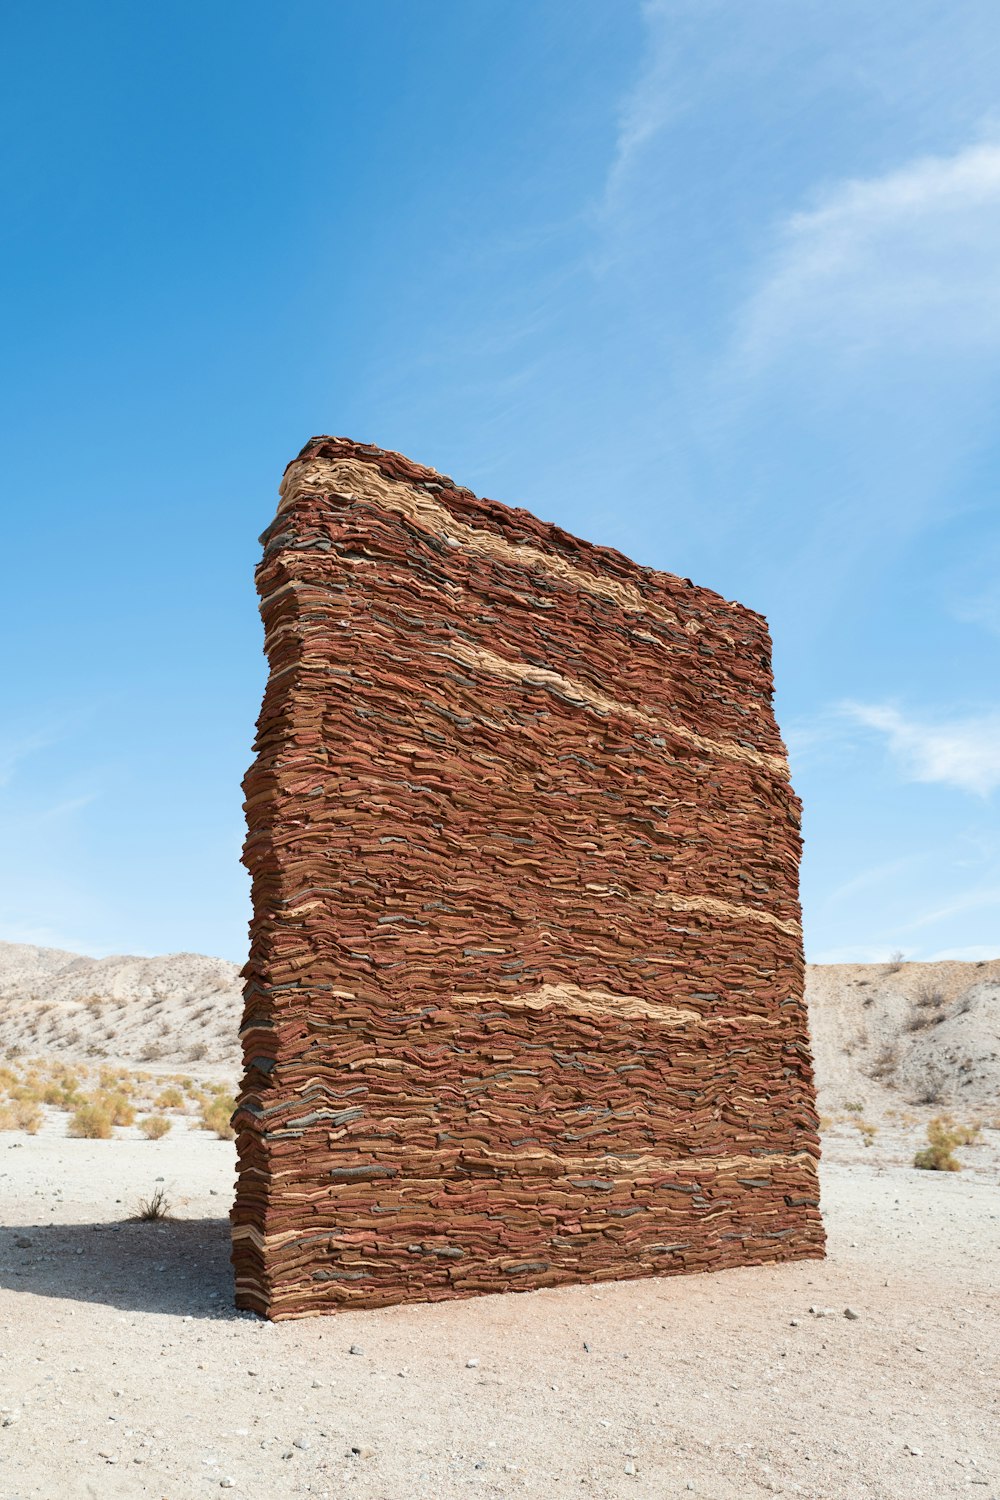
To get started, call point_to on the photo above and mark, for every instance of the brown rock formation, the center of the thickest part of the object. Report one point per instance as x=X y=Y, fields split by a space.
x=524 y=998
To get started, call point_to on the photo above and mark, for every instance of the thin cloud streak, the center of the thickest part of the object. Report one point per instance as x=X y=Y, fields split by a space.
x=961 y=752
x=905 y=262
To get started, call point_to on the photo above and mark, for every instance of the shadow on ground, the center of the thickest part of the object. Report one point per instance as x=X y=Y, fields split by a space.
x=178 y=1266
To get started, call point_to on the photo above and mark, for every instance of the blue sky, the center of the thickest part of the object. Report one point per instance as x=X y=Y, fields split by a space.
x=714 y=283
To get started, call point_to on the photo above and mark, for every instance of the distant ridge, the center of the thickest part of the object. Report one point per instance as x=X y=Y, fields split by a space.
x=883 y=1035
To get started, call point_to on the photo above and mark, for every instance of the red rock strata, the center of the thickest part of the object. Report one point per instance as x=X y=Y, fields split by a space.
x=524 y=999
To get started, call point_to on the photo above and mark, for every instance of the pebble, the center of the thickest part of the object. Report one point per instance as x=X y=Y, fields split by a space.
x=355 y=1349
x=472 y=1364
x=851 y=1315
x=301 y=1442
x=793 y=1322
x=226 y=1483
x=630 y=1467
x=317 y=1385
x=363 y=1452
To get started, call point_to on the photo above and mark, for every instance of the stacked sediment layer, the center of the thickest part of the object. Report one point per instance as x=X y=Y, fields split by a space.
x=524 y=1002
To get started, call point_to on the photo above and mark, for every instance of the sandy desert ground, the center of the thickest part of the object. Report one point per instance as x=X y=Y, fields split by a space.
x=125 y=1372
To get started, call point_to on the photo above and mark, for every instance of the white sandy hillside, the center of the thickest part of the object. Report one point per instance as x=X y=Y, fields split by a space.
x=173 y=1009
x=883 y=1035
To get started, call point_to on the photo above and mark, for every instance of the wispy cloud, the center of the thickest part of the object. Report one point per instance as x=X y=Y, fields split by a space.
x=978 y=898
x=873 y=879
x=645 y=110
x=908 y=261
x=959 y=752
x=67 y=808
x=971 y=953
x=982 y=609
x=14 y=751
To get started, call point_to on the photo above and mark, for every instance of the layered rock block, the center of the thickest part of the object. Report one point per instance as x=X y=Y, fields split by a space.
x=524 y=1003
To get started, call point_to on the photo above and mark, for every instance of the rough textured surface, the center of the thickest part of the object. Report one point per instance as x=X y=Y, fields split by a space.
x=126 y=1374
x=887 y=1035
x=524 y=996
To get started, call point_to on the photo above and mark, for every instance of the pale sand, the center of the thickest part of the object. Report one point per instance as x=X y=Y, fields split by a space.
x=700 y=1384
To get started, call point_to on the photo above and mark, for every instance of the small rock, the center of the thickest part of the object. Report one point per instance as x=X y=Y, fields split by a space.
x=355 y=1349
x=317 y=1385
x=472 y=1364
x=10 y=1418
x=301 y=1442
x=226 y=1483
x=630 y=1467
x=851 y=1315
x=363 y=1452
x=23 y=1243
x=793 y=1322
x=914 y=1452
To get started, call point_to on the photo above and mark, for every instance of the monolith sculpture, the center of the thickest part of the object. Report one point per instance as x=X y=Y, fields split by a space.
x=524 y=1002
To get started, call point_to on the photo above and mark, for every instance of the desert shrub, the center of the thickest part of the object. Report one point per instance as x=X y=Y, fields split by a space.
x=114 y=1080
x=854 y=1105
x=938 y=1155
x=28 y=1116
x=170 y=1098
x=896 y=960
x=22 y=1114
x=965 y=1135
x=933 y=1086
x=928 y=995
x=885 y=1063
x=868 y=1132
x=198 y=1051
x=92 y=1121
x=154 y=1126
x=154 y=1207
x=121 y=1108
x=215 y=1114
x=152 y=1052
